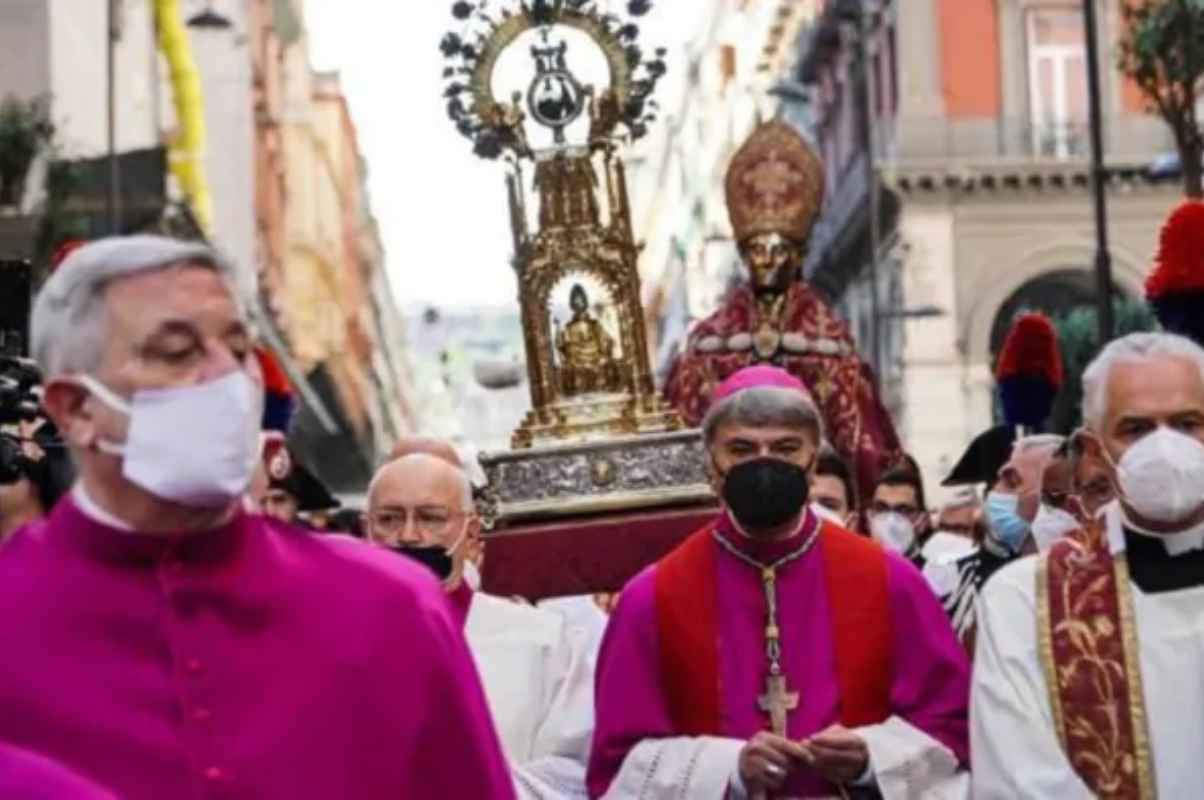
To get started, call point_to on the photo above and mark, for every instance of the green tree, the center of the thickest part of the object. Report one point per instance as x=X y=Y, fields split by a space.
x=57 y=222
x=25 y=131
x=1162 y=51
x=1078 y=337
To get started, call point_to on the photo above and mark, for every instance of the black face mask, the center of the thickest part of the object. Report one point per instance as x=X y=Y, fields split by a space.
x=434 y=558
x=765 y=493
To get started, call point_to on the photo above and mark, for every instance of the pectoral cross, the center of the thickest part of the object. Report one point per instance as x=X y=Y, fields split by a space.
x=777 y=702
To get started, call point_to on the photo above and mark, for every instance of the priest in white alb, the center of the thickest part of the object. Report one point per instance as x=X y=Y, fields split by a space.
x=1087 y=675
x=774 y=654
x=536 y=668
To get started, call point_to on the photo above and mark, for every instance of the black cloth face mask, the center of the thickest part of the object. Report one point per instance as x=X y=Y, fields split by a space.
x=434 y=558
x=765 y=493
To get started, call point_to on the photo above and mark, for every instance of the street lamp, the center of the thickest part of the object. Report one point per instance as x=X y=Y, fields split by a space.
x=862 y=18
x=1103 y=260
x=210 y=19
x=113 y=204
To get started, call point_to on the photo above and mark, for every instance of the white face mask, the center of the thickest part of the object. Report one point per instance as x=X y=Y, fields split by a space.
x=1161 y=476
x=1051 y=525
x=893 y=531
x=825 y=513
x=192 y=445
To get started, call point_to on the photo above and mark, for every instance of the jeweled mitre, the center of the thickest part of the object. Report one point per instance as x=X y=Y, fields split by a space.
x=775 y=184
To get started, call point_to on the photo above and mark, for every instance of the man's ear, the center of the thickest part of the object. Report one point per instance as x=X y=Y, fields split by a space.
x=713 y=476
x=1088 y=443
x=65 y=402
x=472 y=531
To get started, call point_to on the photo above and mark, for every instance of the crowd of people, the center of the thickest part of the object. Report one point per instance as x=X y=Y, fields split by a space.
x=172 y=628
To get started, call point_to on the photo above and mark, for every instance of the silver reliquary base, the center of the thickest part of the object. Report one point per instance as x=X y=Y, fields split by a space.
x=601 y=476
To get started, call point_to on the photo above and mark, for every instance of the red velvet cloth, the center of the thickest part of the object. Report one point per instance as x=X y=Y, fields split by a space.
x=584 y=555
x=856 y=423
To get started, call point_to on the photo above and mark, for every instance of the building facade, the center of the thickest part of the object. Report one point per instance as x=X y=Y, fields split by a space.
x=980 y=109
x=677 y=173
x=846 y=95
x=322 y=263
x=282 y=172
x=58 y=49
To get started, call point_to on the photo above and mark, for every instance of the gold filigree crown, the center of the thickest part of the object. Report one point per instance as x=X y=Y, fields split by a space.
x=775 y=184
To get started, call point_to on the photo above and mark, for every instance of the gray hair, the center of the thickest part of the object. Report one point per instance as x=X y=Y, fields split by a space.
x=962 y=497
x=1038 y=441
x=1134 y=347
x=67 y=325
x=764 y=407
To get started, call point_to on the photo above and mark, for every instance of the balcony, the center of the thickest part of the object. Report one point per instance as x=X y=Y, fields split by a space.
x=987 y=139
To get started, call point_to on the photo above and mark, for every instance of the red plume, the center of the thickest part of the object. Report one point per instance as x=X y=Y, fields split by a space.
x=275 y=380
x=1031 y=349
x=63 y=250
x=278 y=401
x=1179 y=266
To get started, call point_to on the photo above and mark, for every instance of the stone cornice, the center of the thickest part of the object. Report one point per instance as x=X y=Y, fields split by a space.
x=1013 y=176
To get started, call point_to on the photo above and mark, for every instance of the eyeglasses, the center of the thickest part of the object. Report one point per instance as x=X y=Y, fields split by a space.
x=906 y=509
x=427 y=520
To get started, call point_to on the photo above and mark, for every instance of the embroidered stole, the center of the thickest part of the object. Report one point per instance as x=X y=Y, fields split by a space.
x=688 y=629
x=1088 y=647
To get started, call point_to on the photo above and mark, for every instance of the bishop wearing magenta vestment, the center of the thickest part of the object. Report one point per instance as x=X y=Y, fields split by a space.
x=773 y=654
x=162 y=643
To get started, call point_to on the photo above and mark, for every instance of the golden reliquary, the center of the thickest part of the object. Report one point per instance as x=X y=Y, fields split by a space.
x=598 y=436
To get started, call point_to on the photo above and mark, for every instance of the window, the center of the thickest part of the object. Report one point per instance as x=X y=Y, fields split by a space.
x=1057 y=65
x=892 y=69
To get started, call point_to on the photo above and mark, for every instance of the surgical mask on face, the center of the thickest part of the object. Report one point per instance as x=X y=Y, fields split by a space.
x=893 y=531
x=192 y=445
x=1004 y=523
x=1052 y=524
x=826 y=514
x=437 y=558
x=1161 y=476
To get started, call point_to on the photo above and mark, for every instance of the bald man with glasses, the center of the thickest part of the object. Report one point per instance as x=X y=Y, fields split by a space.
x=535 y=666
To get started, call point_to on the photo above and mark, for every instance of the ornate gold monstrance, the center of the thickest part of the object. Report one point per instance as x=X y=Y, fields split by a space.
x=598 y=435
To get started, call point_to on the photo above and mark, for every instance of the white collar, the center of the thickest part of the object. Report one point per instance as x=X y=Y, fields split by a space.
x=93 y=511
x=471 y=575
x=1176 y=544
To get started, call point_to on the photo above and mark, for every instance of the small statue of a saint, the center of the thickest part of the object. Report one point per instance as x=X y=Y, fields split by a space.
x=587 y=362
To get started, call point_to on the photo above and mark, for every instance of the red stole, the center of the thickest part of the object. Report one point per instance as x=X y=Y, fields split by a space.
x=687 y=627
x=1088 y=647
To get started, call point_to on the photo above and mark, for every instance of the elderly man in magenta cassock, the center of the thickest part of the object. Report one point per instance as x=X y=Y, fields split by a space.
x=535 y=667
x=772 y=653
x=161 y=642
x=1087 y=675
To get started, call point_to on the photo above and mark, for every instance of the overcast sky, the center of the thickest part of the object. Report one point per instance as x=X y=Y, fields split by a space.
x=442 y=211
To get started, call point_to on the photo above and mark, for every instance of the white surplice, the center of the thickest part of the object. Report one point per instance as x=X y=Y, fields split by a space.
x=539 y=681
x=582 y=612
x=1015 y=752
x=905 y=762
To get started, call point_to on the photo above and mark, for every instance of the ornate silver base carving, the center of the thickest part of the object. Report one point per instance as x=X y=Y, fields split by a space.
x=616 y=474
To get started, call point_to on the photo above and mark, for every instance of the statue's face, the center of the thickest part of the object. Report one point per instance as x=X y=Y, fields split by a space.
x=772 y=261
x=577 y=300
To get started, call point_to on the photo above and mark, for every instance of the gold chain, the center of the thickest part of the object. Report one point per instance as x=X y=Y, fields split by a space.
x=773 y=633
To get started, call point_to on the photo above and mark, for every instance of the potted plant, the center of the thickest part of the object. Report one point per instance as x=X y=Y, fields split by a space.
x=25 y=129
